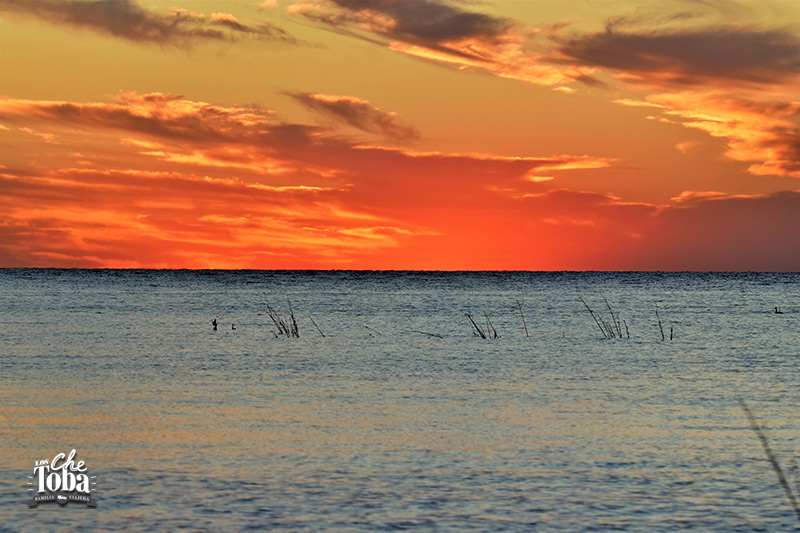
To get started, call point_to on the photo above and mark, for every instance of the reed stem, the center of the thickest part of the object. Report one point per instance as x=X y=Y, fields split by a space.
x=762 y=437
x=476 y=329
x=315 y=324
x=524 y=324
x=660 y=327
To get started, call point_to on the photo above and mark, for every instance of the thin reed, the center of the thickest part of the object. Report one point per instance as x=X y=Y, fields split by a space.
x=524 y=323
x=762 y=437
x=660 y=327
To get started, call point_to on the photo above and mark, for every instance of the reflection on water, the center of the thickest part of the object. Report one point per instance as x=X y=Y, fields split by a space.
x=377 y=426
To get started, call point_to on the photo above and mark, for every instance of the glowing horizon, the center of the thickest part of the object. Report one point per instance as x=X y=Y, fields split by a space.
x=400 y=135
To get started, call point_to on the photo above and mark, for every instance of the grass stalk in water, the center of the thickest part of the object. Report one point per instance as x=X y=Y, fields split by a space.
x=660 y=327
x=315 y=324
x=524 y=324
x=762 y=437
x=476 y=329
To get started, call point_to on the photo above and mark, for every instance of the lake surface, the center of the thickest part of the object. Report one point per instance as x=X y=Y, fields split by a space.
x=400 y=417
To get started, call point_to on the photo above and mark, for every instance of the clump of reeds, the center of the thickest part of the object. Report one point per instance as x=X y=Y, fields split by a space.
x=287 y=327
x=776 y=466
x=488 y=331
x=610 y=330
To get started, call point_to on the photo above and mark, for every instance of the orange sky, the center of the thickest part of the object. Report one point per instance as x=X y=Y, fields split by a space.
x=400 y=134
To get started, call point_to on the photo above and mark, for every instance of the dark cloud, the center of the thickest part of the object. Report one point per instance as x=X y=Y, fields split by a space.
x=125 y=19
x=691 y=57
x=430 y=20
x=704 y=232
x=359 y=114
x=732 y=233
x=427 y=23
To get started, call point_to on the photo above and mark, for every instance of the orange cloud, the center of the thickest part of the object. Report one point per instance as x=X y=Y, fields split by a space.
x=765 y=132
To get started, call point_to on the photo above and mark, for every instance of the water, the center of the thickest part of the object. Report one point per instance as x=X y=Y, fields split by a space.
x=400 y=418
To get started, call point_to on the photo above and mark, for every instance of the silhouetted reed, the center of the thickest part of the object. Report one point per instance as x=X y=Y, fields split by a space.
x=660 y=327
x=428 y=334
x=762 y=437
x=315 y=324
x=372 y=329
x=524 y=324
x=476 y=329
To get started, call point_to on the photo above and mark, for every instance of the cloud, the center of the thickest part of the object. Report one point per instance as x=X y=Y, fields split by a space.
x=158 y=114
x=685 y=146
x=360 y=114
x=445 y=34
x=637 y=103
x=428 y=20
x=699 y=230
x=696 y=56
x=728 y=232
x=198 y=132
x=764 y=132
x=125 y=19
x=407 y=20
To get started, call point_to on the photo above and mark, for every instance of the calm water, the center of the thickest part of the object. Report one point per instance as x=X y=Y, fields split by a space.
x=399 y=417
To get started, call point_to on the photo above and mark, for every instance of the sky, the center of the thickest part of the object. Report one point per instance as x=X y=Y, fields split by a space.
x=400 y=134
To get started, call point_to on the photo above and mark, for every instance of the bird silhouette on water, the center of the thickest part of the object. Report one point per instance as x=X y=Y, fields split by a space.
x=778 y=311
x=214 y=322
x=233 y=327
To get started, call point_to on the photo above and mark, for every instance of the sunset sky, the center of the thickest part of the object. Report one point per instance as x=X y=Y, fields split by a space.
x=400 y=134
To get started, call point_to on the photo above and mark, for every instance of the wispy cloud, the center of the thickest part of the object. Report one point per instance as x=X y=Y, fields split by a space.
x=762 y=132
x=125 y=19
x=360 y=114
